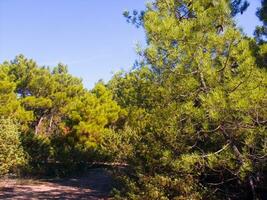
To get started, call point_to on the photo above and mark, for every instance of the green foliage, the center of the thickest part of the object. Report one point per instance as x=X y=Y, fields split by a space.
x=11 y=153
x=261 y=31
x=260 y=48
x=197 y=107
x=62 y=122
x=91 y=114
x=189 y=120
x=239 y=6
x=9 y=103
x=39 y=150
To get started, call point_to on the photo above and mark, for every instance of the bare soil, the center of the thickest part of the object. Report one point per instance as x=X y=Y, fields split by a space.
x=95 y=185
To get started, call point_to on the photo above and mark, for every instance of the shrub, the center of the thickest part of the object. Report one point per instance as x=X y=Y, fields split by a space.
x=11 y=152
x=39 y=151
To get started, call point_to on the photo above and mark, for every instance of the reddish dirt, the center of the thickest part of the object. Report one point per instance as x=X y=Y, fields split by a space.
x=95 y=185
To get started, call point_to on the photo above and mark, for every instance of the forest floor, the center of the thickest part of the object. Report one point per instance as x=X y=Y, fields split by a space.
x=95 y=185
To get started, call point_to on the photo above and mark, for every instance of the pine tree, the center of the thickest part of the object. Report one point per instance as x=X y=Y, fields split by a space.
x=261 y=31
x=10 y=106
x=203 y=106
x=11 y=152
x=61 y=119
x=260 y=45
x=238 y=6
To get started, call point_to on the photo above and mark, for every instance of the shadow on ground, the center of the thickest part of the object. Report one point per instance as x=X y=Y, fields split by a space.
x=96 y=184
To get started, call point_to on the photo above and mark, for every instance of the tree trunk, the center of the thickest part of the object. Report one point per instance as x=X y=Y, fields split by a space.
x=38 y=126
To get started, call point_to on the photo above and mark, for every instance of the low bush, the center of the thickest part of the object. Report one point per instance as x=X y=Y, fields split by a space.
x=12 y=156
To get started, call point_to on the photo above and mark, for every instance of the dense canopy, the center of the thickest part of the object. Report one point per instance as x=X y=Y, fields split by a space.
x=189 y=121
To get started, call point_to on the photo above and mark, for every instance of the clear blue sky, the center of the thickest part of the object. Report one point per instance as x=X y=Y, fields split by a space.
x=90 y=36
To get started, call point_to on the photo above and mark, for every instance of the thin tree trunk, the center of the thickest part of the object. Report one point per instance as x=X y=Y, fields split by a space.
x=50 y=124
x=38 y=126
x=241 y=160
x=251 y=183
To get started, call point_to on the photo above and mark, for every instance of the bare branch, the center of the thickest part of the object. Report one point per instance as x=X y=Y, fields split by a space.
x=217 y=152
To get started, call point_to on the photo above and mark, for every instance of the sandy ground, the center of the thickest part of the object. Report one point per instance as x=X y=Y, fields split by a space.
x=96 y=184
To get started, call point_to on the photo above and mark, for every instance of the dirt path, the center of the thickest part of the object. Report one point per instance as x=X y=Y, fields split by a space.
x=95 y=185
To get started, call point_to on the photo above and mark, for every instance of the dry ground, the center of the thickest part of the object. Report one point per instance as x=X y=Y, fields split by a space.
x=96 y=184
